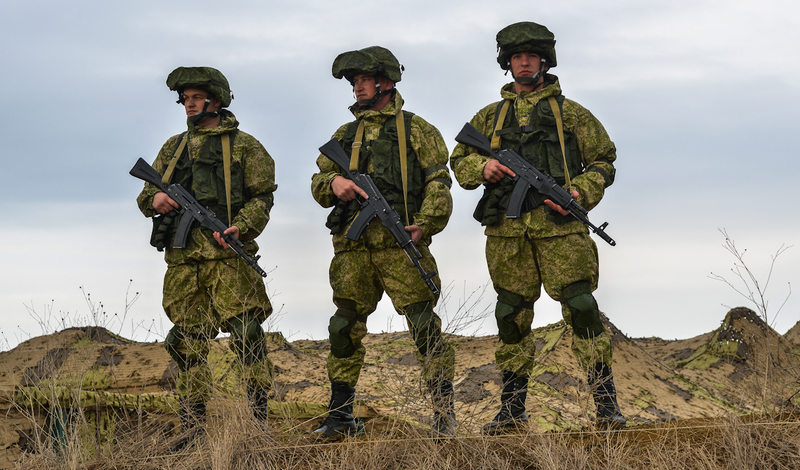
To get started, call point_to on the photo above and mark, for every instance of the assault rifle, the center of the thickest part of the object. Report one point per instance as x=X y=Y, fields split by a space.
x=190 y=211
x=529 y=177
x=376 y=206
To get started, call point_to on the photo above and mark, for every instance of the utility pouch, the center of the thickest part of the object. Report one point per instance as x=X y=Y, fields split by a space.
x=163 y=229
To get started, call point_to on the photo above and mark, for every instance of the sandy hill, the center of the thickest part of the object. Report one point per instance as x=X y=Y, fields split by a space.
x=743 y=366
x=793 y=335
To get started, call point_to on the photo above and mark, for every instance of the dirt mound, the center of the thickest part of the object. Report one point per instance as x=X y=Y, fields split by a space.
x=741 y=367
x=793 y=335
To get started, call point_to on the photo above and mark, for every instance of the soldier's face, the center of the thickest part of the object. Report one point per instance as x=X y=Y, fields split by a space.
x=194 y=99
x=526 y=64
x=364 y=86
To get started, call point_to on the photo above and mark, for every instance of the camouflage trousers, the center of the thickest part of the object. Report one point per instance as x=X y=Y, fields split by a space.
x=359 y=278
x=203 y=298
x=522 y=266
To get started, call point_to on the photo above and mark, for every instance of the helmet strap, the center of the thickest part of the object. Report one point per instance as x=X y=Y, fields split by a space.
x=529 y=80
x=367 y=104
x=204 y=113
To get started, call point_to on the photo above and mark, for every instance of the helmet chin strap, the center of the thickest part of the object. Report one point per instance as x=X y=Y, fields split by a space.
x=529 y=80
x=204 y=113
x=369 y=103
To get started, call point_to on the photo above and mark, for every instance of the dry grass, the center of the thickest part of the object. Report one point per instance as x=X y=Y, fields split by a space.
x=236 y=442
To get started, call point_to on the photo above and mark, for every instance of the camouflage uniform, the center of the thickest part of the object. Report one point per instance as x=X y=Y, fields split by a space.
x=542 y=248
x=206 y=287
x=362 y=270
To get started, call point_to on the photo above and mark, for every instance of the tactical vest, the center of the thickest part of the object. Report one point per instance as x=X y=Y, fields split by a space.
x=208 y=179
x=538 y=144
x=204 y=178
x=384 y=152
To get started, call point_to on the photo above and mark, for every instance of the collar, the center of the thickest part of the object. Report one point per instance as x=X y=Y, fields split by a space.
x=391 y=109
x=551 y=88
x=227 y=123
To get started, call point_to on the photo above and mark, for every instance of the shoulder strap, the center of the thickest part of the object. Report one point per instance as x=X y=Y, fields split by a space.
x=356 y=146
x=226 y=168
x=500 y=120
x=401 y=137
x=171 y=167
x=560 y=127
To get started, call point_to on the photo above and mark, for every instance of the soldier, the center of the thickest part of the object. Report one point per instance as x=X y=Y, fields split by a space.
x=362 y=270
x=206 y=286
x=546 y=246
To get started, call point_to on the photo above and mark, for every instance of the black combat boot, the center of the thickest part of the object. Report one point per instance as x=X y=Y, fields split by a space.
x=258 y=403
x=444 y=413
x=512 y=405
x=193 y=426
x=340 y=422
x=601 y=383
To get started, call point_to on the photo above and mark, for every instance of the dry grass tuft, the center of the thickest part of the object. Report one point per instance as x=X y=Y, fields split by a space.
x=236 y=442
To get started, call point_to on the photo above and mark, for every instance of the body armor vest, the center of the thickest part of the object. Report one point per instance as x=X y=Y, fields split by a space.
x=384 y=152
x=538 y=144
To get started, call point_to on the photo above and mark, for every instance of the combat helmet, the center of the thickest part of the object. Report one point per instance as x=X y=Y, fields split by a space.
x=373 y=60
x=525 y=36
x=207 y=78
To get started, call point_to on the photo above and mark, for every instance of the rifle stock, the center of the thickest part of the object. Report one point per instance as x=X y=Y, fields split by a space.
x=144 y=171
x=473 y=138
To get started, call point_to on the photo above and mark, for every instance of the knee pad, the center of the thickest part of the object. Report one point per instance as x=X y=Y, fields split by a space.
x=505 y=312
x=247 y=339
x=586 y=322
x=425 y=329
x=341 y=323
x=173 y=342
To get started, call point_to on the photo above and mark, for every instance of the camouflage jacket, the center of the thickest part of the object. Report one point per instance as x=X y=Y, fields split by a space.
x=259 y=183
x=597 y=153
x=428 y=144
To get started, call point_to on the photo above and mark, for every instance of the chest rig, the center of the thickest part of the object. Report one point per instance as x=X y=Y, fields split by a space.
x=539 y=144
x=213 y=178
x=381 y=159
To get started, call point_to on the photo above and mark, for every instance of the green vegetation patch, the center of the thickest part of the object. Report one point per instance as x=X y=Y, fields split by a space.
x=644 y=399
x=554 y=421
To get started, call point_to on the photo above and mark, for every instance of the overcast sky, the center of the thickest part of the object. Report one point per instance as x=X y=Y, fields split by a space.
x=701 y=98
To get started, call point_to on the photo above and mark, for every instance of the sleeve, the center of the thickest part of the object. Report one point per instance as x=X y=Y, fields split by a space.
x=437 y=203
x=466 y=162
x=328 y=170
x=598 y=154
x=259 y=180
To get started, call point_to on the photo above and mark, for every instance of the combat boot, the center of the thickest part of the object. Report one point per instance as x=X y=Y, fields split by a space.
x=601 y=382
x=340 y=422
x=512 y=405
x=444 y=413
x=193 y=426
x=259 y=404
